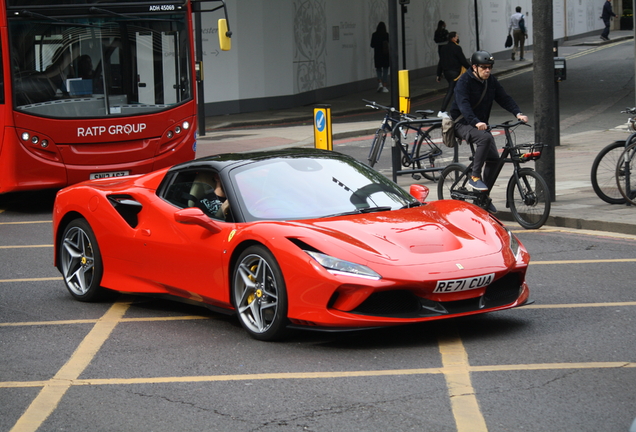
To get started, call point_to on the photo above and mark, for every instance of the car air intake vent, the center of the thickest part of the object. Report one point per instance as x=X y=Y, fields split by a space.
x=127 y=207
x=503 y=291
x=390 y=303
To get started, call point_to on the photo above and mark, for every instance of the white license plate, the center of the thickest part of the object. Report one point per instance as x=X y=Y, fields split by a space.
x=110 y=174
x=454 y=285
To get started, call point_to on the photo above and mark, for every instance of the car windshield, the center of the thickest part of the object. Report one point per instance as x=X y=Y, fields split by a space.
x=99 y=66
x=301 y=187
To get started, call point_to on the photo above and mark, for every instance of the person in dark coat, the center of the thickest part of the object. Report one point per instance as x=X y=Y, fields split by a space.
x=451 y=65
x=474 y=110
x=605 y=16
x=381 y=59
x=441 y=36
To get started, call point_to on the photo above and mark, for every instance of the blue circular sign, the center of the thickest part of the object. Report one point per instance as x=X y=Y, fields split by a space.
x=320 y=121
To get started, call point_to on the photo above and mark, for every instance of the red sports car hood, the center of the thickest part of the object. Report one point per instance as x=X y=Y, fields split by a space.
x=437 y=232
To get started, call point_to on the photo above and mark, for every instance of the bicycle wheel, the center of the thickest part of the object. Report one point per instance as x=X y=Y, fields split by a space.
x=453 y=178
x=429 y=153
x=604 y=180
x=529 y=199
x=626 y=175
x=376 y=146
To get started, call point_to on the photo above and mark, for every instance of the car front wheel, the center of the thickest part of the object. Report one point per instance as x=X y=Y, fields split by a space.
x=80 y=262
x=259 y=295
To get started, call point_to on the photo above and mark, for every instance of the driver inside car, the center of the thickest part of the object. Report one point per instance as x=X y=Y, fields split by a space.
x=213 y=202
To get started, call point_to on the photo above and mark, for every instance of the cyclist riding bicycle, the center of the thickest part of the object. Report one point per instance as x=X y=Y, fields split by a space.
x=475 y=92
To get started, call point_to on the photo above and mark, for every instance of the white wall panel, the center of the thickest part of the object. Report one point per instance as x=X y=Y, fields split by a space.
x=289 y=47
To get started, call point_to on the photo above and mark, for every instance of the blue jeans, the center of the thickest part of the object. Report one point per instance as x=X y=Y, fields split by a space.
x=605 y=33
x=383 y=74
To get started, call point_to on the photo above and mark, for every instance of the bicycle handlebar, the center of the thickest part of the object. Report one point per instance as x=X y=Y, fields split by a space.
x=508 y=125
x=376 y=105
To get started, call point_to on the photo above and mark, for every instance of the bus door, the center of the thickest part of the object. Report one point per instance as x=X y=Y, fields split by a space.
x=146 y=68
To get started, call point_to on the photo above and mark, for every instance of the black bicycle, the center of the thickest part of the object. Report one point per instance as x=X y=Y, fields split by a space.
x=424 y=153
x=527 y=194
x=606 y=174
x=626 y=174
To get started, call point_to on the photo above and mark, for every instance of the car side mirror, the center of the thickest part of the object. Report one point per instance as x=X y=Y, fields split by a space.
x=194 y=216
x=419 y=192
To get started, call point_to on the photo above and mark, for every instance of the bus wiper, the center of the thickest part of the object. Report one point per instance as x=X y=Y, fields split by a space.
x=55 y=20
x=37 y=15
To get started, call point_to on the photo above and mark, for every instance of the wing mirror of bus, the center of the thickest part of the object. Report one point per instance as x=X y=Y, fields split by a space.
x=419 y=192
x=224 y=35
x=194 y=216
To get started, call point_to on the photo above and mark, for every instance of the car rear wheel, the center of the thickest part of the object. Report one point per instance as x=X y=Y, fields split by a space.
x=80 y=262
x=259 y=295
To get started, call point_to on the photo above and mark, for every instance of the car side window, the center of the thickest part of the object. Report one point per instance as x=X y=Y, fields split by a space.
x=178 y=193
x=200 y=189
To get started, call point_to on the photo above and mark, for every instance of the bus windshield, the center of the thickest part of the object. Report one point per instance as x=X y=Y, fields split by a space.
x=110 y=65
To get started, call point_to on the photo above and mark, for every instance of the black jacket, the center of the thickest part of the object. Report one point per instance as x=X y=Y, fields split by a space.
x=607 y=11
x=380 y=45
x=452 y=58
x=469 y=89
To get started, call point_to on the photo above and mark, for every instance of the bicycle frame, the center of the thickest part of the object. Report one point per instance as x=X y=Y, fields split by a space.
x=400 y=149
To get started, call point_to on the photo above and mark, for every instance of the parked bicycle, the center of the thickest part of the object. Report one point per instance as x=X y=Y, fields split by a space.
x=527 y=193
x=424 y=153
x=626 y=174
x=606 y=176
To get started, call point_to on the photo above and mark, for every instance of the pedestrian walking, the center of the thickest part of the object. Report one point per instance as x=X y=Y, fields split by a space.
x=452 y=64
x=441 y=37
x=381 y=59
x=606 y=15
x=519 y=34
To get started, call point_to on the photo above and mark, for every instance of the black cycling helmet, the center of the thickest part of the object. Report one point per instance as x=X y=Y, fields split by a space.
x=482 y=58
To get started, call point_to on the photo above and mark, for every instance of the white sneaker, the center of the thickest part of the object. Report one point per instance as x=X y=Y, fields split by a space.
x=380 y=87
x=385 y=90
x=443 y=114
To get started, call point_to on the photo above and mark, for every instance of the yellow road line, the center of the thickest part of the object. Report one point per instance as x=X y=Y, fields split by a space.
x=31 y=279
x=25 y=222
x=548 y=230
x=464 y=404
x=201 y=317
x=26 y=246
x=596 y=261
x=579 y=305
x=93 y=321
x=451 y=370
x=53 y=391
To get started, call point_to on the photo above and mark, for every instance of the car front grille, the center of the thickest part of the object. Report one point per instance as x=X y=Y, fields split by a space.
x=405 y=304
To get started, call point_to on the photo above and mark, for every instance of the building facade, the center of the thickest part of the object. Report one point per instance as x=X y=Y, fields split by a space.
x=289 y=53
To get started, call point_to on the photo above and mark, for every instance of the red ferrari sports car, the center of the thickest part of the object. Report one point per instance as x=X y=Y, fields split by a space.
x=296 y=238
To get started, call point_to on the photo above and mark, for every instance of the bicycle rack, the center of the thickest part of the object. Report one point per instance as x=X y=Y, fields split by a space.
x=396 y=153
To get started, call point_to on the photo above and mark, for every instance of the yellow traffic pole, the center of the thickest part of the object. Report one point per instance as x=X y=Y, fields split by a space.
x=323 y=138
x=404 y=91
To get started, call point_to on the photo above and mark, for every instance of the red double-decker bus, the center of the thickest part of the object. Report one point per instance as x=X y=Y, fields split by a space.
x=94 y=89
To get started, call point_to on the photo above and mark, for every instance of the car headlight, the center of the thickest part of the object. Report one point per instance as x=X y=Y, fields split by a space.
x=338 y=266
x=515 y=247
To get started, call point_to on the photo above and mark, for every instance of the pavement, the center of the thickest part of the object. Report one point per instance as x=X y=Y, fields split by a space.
x=575 y=205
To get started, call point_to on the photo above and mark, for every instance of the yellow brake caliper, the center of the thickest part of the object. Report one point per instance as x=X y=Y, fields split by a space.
x=257 y=293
